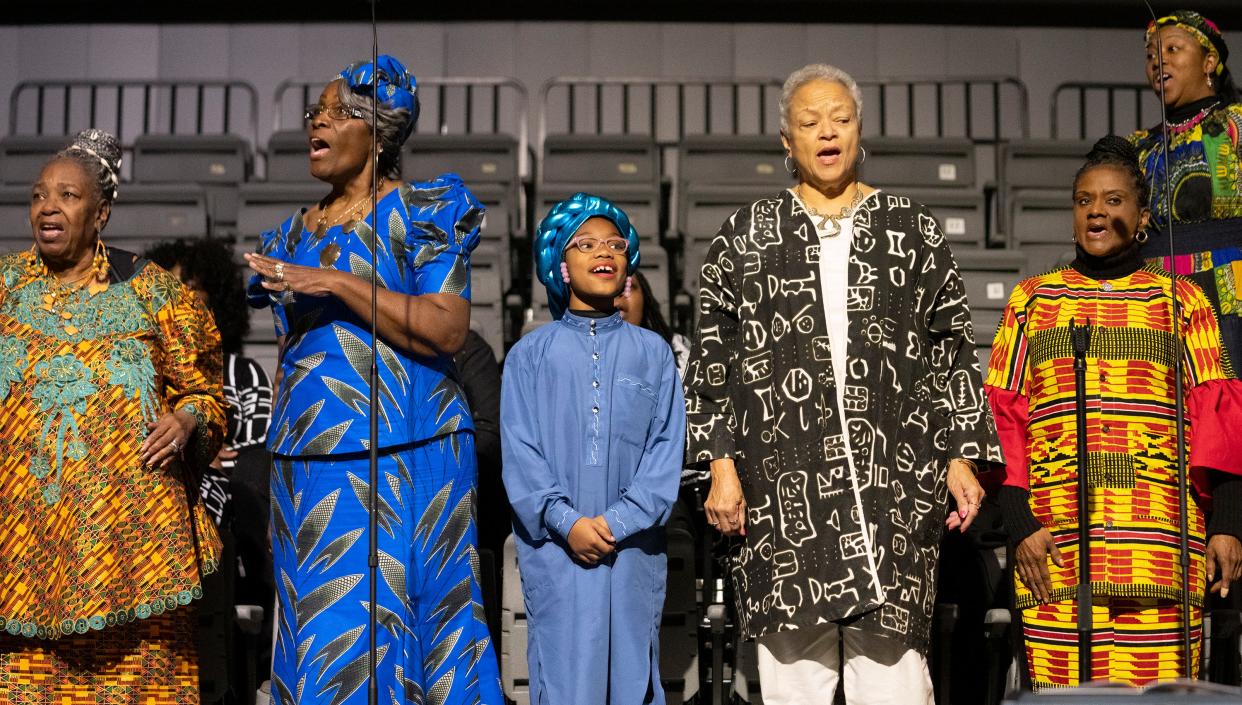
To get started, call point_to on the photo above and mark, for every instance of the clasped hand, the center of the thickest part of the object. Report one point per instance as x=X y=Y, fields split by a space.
x=590 y=540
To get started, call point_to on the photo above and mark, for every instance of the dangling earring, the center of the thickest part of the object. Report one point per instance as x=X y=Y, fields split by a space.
x=1211 y=87
x=864 y=154
x=1141 y=237
x=99 y=280
x=629 y=284
x=565 y=272
x=790 y=166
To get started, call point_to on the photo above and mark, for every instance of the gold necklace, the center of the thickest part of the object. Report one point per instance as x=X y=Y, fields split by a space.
x=322 y=225
x=58 y=291
x=828 y=222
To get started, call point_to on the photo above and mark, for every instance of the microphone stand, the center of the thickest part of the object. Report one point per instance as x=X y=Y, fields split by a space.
x=1179 y=402
x=373 y=401
x=1080 y=336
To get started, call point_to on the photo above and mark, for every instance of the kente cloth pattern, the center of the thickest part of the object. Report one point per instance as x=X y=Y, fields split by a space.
x=433 y=645
x=151 y=662
x=425 y=236
x=1132 y=445
x=1206 y=183
x=92 y=540
x=835 y=534
x=1135 y=641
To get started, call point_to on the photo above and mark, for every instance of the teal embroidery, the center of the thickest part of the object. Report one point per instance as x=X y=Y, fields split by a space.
x=40 y=466
x=115 y=311
x=132 y=370
x=62 y=390
x=12 y=363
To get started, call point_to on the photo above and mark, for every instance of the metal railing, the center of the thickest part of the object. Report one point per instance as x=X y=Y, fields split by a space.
x=979 y=108
x=1127 y=107
x=668 y=109
x=131 y=107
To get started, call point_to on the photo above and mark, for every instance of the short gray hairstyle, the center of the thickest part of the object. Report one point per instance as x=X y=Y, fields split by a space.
x=391 y=131
x=817 y=72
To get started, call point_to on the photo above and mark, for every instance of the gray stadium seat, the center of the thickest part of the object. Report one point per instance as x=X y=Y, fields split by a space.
x=218 y=162
x=488 y=163
x=262 y=206
x=23 y=156
x=487 y=295
x=15 y=232
x=962 y=213
x=287 y=157
x=145 y=213
x=1036 y=181
x=514 y=669
x=901 y=163
x=989 y=276
x=737 y=160
x=622 y=168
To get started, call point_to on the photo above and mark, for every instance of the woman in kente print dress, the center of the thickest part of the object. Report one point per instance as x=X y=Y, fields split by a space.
x=110 y=382
x=314 y=270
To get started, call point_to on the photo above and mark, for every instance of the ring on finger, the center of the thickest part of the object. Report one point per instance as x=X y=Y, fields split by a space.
x=176 y=447
x=280 y=271
x=287 y=286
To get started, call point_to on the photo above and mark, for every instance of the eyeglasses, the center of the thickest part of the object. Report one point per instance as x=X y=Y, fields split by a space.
x=618 y=245
x=336 y=112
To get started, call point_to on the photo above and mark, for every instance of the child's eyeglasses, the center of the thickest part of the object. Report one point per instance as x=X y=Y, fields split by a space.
x=617 y=245
x=336 y=112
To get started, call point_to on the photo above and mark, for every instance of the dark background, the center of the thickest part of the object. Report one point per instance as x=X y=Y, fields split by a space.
x=1050 y=13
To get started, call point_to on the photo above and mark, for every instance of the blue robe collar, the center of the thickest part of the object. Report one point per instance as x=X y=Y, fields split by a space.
x=583 y=324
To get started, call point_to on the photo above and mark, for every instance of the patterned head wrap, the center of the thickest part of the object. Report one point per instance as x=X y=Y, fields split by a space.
x=103 y=151
x=397 y=86
x=1201 y=28
x=558 y=228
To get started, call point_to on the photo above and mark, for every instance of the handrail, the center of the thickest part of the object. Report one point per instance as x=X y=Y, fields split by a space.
x=1083 y=89
x=155 y=93
x=908 y=88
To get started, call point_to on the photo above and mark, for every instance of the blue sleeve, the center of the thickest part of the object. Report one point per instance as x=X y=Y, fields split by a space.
x=444 y=229
x=256 y=295
x=649 y=498
x=539 y=503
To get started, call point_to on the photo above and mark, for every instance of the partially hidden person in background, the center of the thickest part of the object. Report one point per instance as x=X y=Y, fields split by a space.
x=110 y=376
x=315 y=272
x=593 y=430
x=234 y=488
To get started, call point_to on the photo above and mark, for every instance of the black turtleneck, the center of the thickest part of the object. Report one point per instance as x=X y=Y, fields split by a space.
x=591 y=313
x=1185 y=112
x=1122 y=263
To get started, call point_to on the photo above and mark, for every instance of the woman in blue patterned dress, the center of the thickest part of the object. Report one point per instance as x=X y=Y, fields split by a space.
x=315 y=271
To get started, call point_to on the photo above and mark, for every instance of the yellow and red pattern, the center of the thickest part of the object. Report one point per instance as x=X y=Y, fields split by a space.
x=1132 y=447
x=1133 y=641
x=92 y=541
x=1134 y=516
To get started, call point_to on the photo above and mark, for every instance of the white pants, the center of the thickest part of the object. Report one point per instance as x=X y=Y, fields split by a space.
x=803 y=666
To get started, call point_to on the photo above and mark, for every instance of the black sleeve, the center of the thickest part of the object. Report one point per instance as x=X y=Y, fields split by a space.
x=1015 y=504
x=480 y=375
x=1226 y=506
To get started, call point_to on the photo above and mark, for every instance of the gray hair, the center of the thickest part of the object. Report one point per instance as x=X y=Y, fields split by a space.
x=817 y=72
x=99 y=154
x=390 y=132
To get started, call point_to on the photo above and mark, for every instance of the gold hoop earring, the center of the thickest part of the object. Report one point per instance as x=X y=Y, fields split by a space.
x=1141 y=237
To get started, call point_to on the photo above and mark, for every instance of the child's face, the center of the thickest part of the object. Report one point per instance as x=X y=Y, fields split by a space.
x=599 y=273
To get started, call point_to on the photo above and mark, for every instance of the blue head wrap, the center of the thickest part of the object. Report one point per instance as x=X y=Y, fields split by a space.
x=555 y=232
x=397 y=86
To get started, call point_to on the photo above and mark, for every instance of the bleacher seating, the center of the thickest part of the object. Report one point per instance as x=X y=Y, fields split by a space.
x=625 y=169
x=1036 y=179
x=514 y=670
x=487 y=295
x=218 y=163
x=287 y=157
x=939 y=173
x=23 y=156
x=989 y=276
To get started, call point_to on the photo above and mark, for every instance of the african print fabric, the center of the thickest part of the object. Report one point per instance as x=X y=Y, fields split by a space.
x=1205 y=154
x=1135 y=508
x=76 y=546
x=1135 y=641
x=425 y=236
x=836 y=530
x=433 y=645
x=151 y=662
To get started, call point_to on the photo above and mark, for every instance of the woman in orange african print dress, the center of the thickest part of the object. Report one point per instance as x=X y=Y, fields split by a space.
x=110 y=378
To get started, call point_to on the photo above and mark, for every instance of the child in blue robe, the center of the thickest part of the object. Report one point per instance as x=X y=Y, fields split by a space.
x=592 y=429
